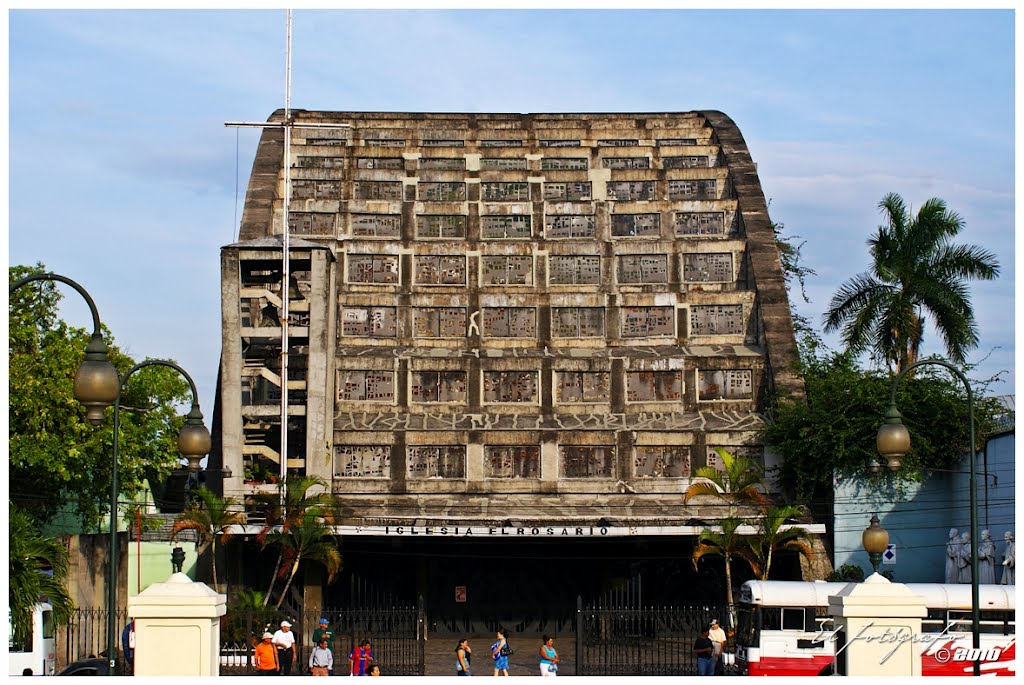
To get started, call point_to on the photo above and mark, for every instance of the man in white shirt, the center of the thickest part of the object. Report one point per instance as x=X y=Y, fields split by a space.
x=717 y=637
x=284 y=640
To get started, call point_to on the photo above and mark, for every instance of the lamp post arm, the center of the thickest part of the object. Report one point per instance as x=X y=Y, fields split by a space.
x=63 y=279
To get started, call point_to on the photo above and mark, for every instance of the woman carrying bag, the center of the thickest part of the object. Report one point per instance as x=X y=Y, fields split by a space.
x=548 y=657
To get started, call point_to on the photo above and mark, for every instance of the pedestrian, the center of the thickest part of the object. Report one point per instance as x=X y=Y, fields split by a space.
x=373 y=669
x=463 y=656
x=703 y=649
x=500 y=652
x=548 y=656
x=718 y=638
x=324 y=631
x=128 y=645
x=284 y=640
x=264 y=658
x=360 y=658
x=321 y=660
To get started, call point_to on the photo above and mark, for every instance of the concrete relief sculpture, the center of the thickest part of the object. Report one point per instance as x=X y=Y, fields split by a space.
x=965 y=558
x=986 y=559
x=953 y=556
x=1009 y=559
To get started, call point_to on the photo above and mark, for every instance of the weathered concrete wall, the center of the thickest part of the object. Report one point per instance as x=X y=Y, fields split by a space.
x=525 y=308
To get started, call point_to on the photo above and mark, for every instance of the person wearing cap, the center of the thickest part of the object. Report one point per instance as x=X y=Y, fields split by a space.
x=324 y=631
x=265 y=656
x=717 y=637
x=321 y=660
x=284 y=640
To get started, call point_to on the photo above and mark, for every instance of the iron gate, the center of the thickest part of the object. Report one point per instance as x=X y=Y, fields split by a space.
x=396 y=635
x=630 y=640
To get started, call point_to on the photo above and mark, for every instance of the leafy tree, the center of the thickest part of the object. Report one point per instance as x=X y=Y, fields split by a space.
x=38 y=568
x=58 y=460
x=831 y=431
x=309 y=537
x=742 y=482
x=211 y=516
x=280 y=516
x=772 y=537
x=915 y=269
x=729 y=544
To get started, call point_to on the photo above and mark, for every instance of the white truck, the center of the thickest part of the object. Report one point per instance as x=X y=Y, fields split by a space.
x=38 y=651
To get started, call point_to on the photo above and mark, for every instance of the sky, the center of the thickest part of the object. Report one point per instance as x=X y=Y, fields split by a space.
x=123 y=176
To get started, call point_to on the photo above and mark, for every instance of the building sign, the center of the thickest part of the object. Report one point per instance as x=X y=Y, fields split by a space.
x=552 y=530
x=460 y=593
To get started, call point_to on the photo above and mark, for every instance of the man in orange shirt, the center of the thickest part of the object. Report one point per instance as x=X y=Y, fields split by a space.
x=265 y=656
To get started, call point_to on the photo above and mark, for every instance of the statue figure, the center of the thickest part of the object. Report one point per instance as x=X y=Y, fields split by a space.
x=965 y=558
x=986 y=559
x=1009 y=559
x=953 y=556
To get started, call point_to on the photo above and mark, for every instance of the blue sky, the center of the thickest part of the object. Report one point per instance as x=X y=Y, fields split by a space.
x=124 y=177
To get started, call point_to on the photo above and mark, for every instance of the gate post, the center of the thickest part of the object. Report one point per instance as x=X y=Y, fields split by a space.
x=421 y=635
x=579 y=635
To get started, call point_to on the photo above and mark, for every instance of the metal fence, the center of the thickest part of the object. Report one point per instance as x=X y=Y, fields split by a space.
x=623 y=640
x=85 y=636
x=396 y=635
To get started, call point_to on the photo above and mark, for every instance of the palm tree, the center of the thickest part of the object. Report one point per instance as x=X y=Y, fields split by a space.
x=281 y=516
x=38 y=569
x=915 y=269
x=211 y=517
x=308 y=537
x=772 y=537
x=742 y=482
x=729 y=544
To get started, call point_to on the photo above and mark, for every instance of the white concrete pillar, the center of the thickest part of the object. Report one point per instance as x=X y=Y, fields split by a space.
x=878 y=626
x=177 y=628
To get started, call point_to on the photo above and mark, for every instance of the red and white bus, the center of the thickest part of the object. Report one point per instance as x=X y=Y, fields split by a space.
x=784 y=629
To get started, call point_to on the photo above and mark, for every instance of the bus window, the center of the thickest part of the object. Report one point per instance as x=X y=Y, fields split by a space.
x=23 y=645
x=746 y=629
x=771 y=618
x=49 y=628
x=793 y=618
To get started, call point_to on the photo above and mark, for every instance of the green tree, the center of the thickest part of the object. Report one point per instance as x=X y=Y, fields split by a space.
x=280 y=516
x=59 y=461
x=773 y=536
x=38 y=569
x=728 y=543
x=915 y=269
x=831 y=431
x=741 y=482
x=309 y=537
x=211 y=516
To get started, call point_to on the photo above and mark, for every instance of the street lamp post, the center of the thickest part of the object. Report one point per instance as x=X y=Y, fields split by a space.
x=98 y=386
x=96 y=382
x=193 y=444
x=893 y=442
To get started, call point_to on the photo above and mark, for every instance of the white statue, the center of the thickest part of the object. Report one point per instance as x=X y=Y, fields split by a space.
x=1009 y=559
x=986 y=559
x=965 y=558
x=953 y=556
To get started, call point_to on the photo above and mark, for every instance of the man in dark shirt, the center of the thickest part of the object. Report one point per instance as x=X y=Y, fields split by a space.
x=703 y=648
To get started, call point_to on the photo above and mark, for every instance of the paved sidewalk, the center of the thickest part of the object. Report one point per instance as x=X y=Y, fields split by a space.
x=440 y=655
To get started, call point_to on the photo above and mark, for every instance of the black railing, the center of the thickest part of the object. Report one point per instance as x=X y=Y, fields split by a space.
x=396 y=635
x=618 y=640
x=85 y=637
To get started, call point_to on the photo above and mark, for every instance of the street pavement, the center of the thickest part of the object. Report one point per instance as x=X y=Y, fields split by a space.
x=440 y=655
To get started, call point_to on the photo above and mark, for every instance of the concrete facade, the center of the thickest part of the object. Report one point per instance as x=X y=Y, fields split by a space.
x=502 y=324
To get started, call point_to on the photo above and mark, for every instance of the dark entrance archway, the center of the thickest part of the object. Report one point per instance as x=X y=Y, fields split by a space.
x=528 y=586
